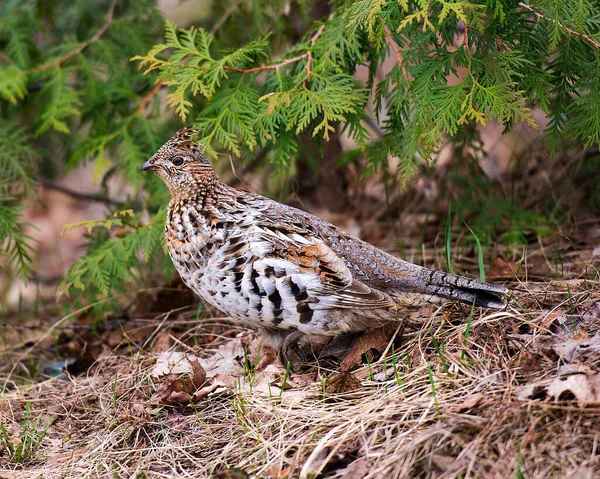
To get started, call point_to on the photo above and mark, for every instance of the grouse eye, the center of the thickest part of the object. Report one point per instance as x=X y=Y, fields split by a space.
x=177 y=160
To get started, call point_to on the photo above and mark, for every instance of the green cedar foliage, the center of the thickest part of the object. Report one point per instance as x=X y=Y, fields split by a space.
x=80 y=86
x=69 y=93
x=505 y=57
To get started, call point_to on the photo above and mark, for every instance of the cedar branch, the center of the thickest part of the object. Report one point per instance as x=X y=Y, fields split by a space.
x=590 y=40
x=145 y=100
x=56 y=62
x=274 y=66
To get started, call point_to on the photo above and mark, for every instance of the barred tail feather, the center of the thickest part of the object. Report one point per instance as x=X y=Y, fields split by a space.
x=452 y=286
x=466 y=290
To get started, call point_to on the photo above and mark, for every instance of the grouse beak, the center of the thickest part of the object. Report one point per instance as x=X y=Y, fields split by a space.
x=149 y=165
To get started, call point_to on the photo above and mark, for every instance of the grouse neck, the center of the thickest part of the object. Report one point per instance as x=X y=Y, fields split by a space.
x=201 y=195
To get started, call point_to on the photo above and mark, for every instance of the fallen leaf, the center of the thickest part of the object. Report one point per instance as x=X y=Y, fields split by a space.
x=268 y=356
x=162 y=342
x=198 y=374
x=228 y=359
x=175 y=397
x=179 y=375
x=356 y=469
x=206 y=390
x=183 y=377
x=138 y=409
x=278 y=472
x=578 y=349
x=173 y=389
x=173 y=362
x=468 y=403
x=231 y=473
x=573 y=383
x=376 y=339
x=502 y=269
x=341 y=382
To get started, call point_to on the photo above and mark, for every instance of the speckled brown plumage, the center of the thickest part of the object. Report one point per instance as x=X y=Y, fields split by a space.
x=276 y=267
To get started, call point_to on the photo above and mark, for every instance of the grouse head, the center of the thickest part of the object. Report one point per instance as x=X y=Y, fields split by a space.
x=182 y=165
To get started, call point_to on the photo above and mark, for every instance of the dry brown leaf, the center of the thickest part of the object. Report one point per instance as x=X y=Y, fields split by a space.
x=356 y=469
x=268 y=356
x=580 y=348
x=468 y=403
x=174 y=362
x=228 y=359
x=177 y=397
x=180 y=376
x=198 y=374
x=502 y=268
x=162 y=342
x=342 y=382
x=278 y=472
x=179 y=372
x=206 y=390
x=173 y=389
x=376 y=339
x=573 y=383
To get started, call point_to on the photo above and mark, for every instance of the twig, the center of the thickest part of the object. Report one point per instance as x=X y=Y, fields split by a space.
x=221 y=21
x=309 y=57
x=594 y=43
x=274 y=66
x=82 y=46
x=263 y=68
x=249 y=167
x=78 y=194
x=147 y=98
x=396 y=51
x=393 y=45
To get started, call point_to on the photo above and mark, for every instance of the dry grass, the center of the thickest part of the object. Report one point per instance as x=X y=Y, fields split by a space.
x=441 y=402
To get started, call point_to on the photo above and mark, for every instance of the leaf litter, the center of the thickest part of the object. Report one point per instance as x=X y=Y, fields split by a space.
x=453 y=395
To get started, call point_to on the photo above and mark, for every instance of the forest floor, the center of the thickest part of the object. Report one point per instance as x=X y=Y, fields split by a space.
x=451 y=392
x=167 y=388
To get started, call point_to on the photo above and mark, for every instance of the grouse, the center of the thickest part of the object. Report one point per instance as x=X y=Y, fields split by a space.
x=281 y=269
